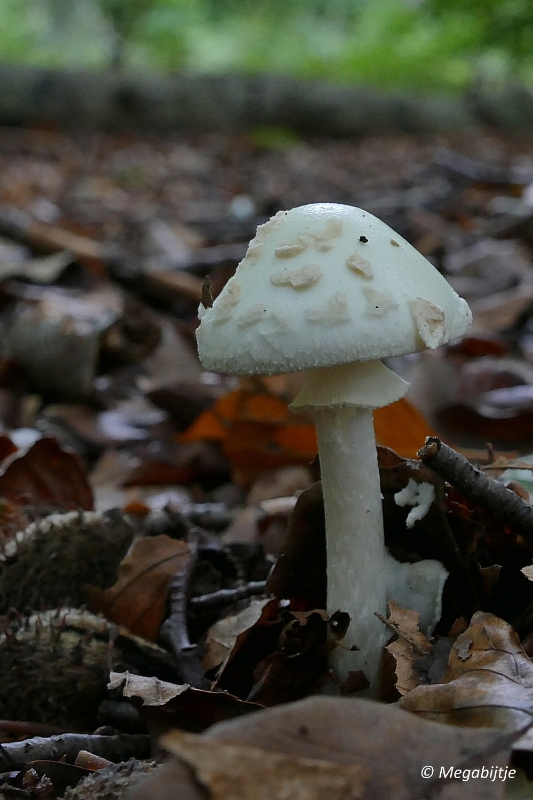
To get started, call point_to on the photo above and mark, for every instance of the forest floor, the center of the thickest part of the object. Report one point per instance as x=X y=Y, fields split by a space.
x=105 y=243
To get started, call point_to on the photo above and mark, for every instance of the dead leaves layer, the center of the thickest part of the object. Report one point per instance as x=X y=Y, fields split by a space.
x=489 y=680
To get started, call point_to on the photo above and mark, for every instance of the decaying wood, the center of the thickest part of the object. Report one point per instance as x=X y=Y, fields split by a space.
x=111 y=101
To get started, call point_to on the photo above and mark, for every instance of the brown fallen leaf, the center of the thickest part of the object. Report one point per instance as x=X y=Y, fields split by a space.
x=489 y=680
x=300 y=571
x=260 y=628
x=45 y=474
x=408 y=648
x=222 y=636
x=137 y=600
x=195 y=462
x=329 y=747
x=235 y=770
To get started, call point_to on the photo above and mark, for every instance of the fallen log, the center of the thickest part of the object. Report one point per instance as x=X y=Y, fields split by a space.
x=112 y=101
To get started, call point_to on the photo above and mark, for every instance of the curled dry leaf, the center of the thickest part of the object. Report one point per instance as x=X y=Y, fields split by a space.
x=408 y=648
x=137 y=600
x=298 y=667
x=257 y=640
x=329 y=747
x=489 y=680
x=165 y=705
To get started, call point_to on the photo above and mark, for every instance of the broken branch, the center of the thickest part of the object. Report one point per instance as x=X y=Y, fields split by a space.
x=476 y=486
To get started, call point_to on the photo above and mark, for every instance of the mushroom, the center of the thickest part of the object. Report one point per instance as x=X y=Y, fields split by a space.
x=331 y=290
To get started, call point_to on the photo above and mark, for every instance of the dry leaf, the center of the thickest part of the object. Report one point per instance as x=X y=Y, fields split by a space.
x=222 y=636
x=257 y=432
x=137 y=600
x=408 y=648
x=165 y=705
x=341 y=748
x=233 y=771
x=401 y=427
x=300 y=571
x=45 y=474
x=489 y=680
x=151 y=691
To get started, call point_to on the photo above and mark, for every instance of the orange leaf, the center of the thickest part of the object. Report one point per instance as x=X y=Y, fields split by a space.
x=401 y=427
x=257 y=431
x=137 y=600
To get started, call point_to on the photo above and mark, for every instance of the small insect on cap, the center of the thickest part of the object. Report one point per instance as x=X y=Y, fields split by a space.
x=327 y=284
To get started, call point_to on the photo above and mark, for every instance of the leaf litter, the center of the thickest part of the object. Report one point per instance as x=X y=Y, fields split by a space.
x=217 y=557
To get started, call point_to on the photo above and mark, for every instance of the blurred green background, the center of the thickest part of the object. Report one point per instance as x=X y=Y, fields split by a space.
x=444 y=45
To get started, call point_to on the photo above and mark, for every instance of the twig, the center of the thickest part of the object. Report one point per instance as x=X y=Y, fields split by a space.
x=15 y=755
x=174 y=630
x=399 y=633
x=224 y=597
x=478 y=487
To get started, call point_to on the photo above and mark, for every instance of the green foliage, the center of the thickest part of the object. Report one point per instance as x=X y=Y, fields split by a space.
x=500 y=24
x=430 y=44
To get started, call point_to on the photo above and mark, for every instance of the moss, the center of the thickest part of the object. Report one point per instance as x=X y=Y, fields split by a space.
x=111 y=783
x=51 y=560
x=54 y=666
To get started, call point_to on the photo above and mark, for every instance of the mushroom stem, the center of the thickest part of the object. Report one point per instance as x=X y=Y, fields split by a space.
x=356 y=552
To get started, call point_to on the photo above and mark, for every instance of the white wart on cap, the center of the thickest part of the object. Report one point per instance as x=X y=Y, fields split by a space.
x=327 y=284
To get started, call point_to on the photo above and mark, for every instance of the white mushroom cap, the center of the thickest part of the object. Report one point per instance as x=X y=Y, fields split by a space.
x=327 y=284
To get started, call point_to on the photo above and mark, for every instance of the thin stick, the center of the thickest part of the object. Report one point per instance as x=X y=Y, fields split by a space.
x=224 y=597
x=478 y=487
x=174 y=631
